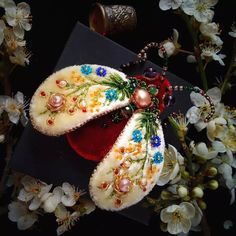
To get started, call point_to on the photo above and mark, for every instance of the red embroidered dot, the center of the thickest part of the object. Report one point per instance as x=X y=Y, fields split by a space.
x=74 y=99
x=104 y=185
x=144 y=189
x=50 y=122
x=42 y=94
x=57 y=81
x=118 y=202
x=116 y=171
x=84 y=110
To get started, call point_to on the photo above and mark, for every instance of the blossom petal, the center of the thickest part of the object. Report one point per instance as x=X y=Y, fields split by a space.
x=196 y=220
x=68 y=200
x=189 y=6
x=201 y=149
x=219 y=146
x=165 y=215
x=44 y=189
x=174 y=227
x=16 y=210
x=186 y=225
x=24 y=8
x=200 y=125
x=204 y=16
x=18 y=31
x=225 y=170
x=25 y=196
x=165 y=4
x=193 y=115
x=35 y=204
x=26 y=221
x=197 y=99
x=232 y=199
x=187 y=209
x=176 y=4
x=214 y=94
x=61 y=212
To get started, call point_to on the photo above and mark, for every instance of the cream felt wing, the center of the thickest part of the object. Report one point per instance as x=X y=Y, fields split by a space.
x=132 y=167
x=74 y=95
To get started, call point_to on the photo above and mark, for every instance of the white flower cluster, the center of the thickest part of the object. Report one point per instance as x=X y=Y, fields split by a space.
x=202 y=12
x=15 y=109
x=221 y=134
x=36 y=198
x=217 y=156
x=13 y=24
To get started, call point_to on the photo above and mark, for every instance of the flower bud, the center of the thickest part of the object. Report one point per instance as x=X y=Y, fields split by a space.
x=213 y=184
x=165 y=194
x=182 y=191
x=197 y=192
x=212 y=171
x=202 y=205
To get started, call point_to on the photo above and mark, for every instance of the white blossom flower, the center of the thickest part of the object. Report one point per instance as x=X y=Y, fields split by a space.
x=224 y=164
x=15 y=109
x=51 y=200
x=2 y=28
x=232 y=33
x=168 y=4
x=12 y=42
x=18 y=17
x=200 y=9
x=226 y=142
x=171 y=45
x=178 y=217
x=197 y=113
x=18 y=212
x=210 y=51
x=33 y=192
x=71 y=195
x=20 y=56
x=172 y=163
x=65 y=219
x=216 y=128
x=211 y=30
x=203 y=151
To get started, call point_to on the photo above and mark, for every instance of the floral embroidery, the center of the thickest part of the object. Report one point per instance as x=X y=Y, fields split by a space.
x=155 y=141
x=100 y=71
x=157 y=158
x=86 y=69
x=111 y=95
x=137 y=136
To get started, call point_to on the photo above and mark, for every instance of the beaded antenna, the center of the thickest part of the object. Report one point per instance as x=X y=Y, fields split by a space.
x=74 y=96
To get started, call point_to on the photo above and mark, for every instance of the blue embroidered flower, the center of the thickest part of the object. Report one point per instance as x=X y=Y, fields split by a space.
x=111 y=95
x=137 y=136
x=155 y=141
x=157 y=158
x=86 y=69
x=100 y=71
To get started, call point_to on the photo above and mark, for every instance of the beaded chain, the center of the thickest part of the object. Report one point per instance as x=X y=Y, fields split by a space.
x=142 y=57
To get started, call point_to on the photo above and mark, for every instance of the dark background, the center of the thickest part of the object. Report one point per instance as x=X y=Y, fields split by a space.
x=52 y=23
